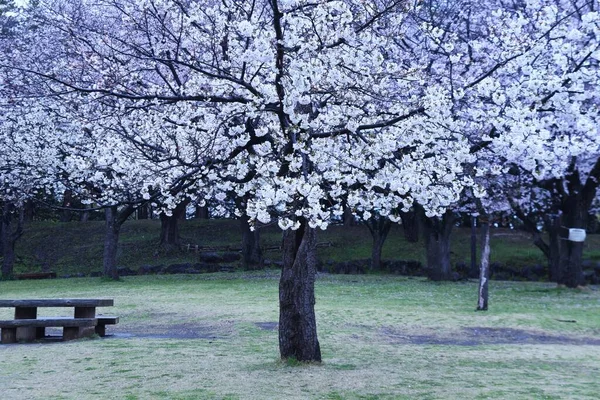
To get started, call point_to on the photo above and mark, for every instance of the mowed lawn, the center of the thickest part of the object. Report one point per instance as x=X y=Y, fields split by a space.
x=214 y=336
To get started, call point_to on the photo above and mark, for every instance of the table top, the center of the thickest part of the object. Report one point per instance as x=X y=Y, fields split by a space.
x=57 y=303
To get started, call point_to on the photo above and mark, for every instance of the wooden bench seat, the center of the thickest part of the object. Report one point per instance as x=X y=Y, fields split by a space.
x=31 y=329
x=103 y=320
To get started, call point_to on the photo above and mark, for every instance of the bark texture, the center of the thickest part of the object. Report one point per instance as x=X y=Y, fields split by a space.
x=65 y=215
x=484 y=267
x=9 y=235
x=379 y=228
x=201 y=212
x=410 y=225
x=114 y=220
x=297 y=322
x=169 y=227
x=252 y=257
x=571 y=253
x=111 y=243
x=348 y=217
x=436 y=232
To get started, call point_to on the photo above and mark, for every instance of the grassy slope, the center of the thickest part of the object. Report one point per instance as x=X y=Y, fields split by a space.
x=367 y=329
x=74 y=247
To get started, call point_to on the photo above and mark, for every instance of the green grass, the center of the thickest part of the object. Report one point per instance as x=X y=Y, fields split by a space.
x=382 y=337
x=73 y=247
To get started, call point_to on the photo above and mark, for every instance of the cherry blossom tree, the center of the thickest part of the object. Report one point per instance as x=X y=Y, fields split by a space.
x=544 y=112
x=296 y=106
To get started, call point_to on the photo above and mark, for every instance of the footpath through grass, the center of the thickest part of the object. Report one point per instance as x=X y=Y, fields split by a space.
x=214 y=336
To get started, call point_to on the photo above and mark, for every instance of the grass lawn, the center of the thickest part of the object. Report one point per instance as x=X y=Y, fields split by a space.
x=214 y=336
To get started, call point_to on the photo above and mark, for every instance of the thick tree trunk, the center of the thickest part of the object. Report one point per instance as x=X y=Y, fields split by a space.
x=571 y=253
x=251 y=252
x=379 y=228
x=169 y=227
x=111 y=242
x=9 y=237
x=437 y=244
x=410 y=225
x=484 y=266
x=114 y=221
x=553 y=252
x=297 y=322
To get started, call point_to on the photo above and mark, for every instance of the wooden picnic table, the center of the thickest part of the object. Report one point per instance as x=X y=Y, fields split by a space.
x=27 y=326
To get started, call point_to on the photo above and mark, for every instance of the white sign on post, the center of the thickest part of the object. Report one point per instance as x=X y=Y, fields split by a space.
x=576 y=235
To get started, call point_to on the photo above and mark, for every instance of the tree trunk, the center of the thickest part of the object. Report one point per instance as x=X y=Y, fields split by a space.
x=297 y=322
x=348 y=217
x=65 y=215
x=410 y=225
x=28 y=211
x=169 y=227
x=251 y=252
x=553 y=253
x=379 y=228
x=10 y=235
x=571 y=253
x=437 y=244
x=201 y=212
x=114 y=220
x=473 y=245
x=484 y=269
x=111 y=242
x=85 y=216
x=143 y=212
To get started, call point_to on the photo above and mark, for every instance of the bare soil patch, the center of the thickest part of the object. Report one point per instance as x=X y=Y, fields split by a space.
x=477 y=336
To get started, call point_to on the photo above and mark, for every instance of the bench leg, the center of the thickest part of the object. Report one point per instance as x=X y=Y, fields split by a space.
x=101 y=330
x=9 y=335
x=26 y=334
x=77 y=332
x=40 y=332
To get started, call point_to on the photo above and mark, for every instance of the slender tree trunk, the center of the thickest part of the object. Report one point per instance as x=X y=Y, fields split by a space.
x=28 y=211
x=111 y=242
x=379 y=228
x=201 y=212
x=437 y=244
x=297 y=322
x=410 y=225
x=65 y=215
x=484 y=269
x=169 y=226
x=10 y=235
x=473 y=244
x=252 y=257
x=143 y=212
x=348 y=217
x=85 y=216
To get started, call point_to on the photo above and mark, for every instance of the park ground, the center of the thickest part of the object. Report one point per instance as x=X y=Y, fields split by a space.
x=214 y=336
x=76 y=248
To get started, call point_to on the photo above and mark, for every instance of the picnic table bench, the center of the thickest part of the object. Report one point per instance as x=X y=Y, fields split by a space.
x=27 y=326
